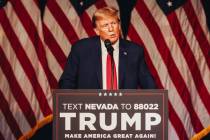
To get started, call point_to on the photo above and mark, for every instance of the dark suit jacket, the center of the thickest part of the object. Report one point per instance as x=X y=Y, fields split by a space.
x=84 y=66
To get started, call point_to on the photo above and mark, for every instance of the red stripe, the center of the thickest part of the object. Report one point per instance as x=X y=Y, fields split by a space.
x=135 y=37
x=177 y=124
x=63 y=21
x=26 y=64
x=53 y=46
x=190 y=59
x=168 y=60
x=100 y=4
x=4 y=106
x=87 y=24
x=16 y=90
x=200 y=36
x=34 y=36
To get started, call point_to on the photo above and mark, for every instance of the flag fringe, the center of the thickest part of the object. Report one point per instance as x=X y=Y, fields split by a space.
x=39 y=125
x=201 y=134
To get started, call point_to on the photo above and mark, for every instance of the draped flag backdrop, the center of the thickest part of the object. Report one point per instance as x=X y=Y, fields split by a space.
x=36 y=38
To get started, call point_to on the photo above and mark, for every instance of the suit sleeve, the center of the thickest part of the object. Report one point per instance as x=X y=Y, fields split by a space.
x=146 y=80
x=69 y=77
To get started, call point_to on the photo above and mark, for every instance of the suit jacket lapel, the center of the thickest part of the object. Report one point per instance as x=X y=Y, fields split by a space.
x=122 y=63
x=98 y=59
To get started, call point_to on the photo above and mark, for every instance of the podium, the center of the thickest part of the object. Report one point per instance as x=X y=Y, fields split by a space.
x=110 y=114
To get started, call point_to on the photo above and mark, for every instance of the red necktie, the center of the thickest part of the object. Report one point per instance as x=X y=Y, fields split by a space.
x=111 y=81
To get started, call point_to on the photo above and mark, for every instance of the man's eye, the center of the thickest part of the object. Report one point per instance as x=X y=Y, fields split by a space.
x=113 y=23
x=105 y=25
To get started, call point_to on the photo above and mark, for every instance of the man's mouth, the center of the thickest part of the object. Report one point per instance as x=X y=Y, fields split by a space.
x=113 y=35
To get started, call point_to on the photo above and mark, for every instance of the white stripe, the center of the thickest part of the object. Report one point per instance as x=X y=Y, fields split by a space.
x=35 y=15
x=5 y=129
x=157 y=61
x=19 y=73
x=53 y=64
x=199 y=11
x=13 y=106
x=72 y=16
x=57 y=32
x=177 y=55
x=29 y=50
x=90 y=11
x=112 y=3
x=195 y=47
x=172 y=135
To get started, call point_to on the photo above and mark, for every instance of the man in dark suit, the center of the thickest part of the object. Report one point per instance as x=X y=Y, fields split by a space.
x=86 y=64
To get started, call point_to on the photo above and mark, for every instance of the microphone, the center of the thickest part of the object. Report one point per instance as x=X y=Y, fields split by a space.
x=109 y=47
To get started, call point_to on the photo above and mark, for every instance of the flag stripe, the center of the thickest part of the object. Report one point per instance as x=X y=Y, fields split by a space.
x=13 y=105
x=86 y=22
x=25 y=62
x=135 y=37
x=29 y=49
x=169 y=62
x=37 y=39
x=34 y=37
x=4 y=126
x=199 y=106
x=74 y=18
x=177 y=54
x=177 y=124
x=16 y=90
x=63 y=21
x=54 y=47
x=4 y=106
x=204 y=44
x=53 y=64
x=198 y=7
x=55 y=30
x=195 y=47
x=172 y=133
x=190 y=59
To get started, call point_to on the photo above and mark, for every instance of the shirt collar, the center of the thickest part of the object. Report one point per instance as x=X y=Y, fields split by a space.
x=115 y=46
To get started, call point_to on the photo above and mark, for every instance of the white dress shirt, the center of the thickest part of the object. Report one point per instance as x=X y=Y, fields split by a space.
x=104 y=59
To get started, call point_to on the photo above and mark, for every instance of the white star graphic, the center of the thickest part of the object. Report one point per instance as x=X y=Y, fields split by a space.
x=169 y=3
x=81 y=3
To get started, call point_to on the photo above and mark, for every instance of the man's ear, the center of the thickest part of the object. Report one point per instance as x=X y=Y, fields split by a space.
x=96 y=30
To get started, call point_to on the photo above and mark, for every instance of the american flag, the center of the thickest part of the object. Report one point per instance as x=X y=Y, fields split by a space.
x=34 y=45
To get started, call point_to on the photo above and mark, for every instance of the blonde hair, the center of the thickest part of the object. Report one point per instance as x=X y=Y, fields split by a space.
x=105 y=11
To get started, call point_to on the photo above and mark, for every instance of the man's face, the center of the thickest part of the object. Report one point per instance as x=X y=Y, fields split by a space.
x=108 y=28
